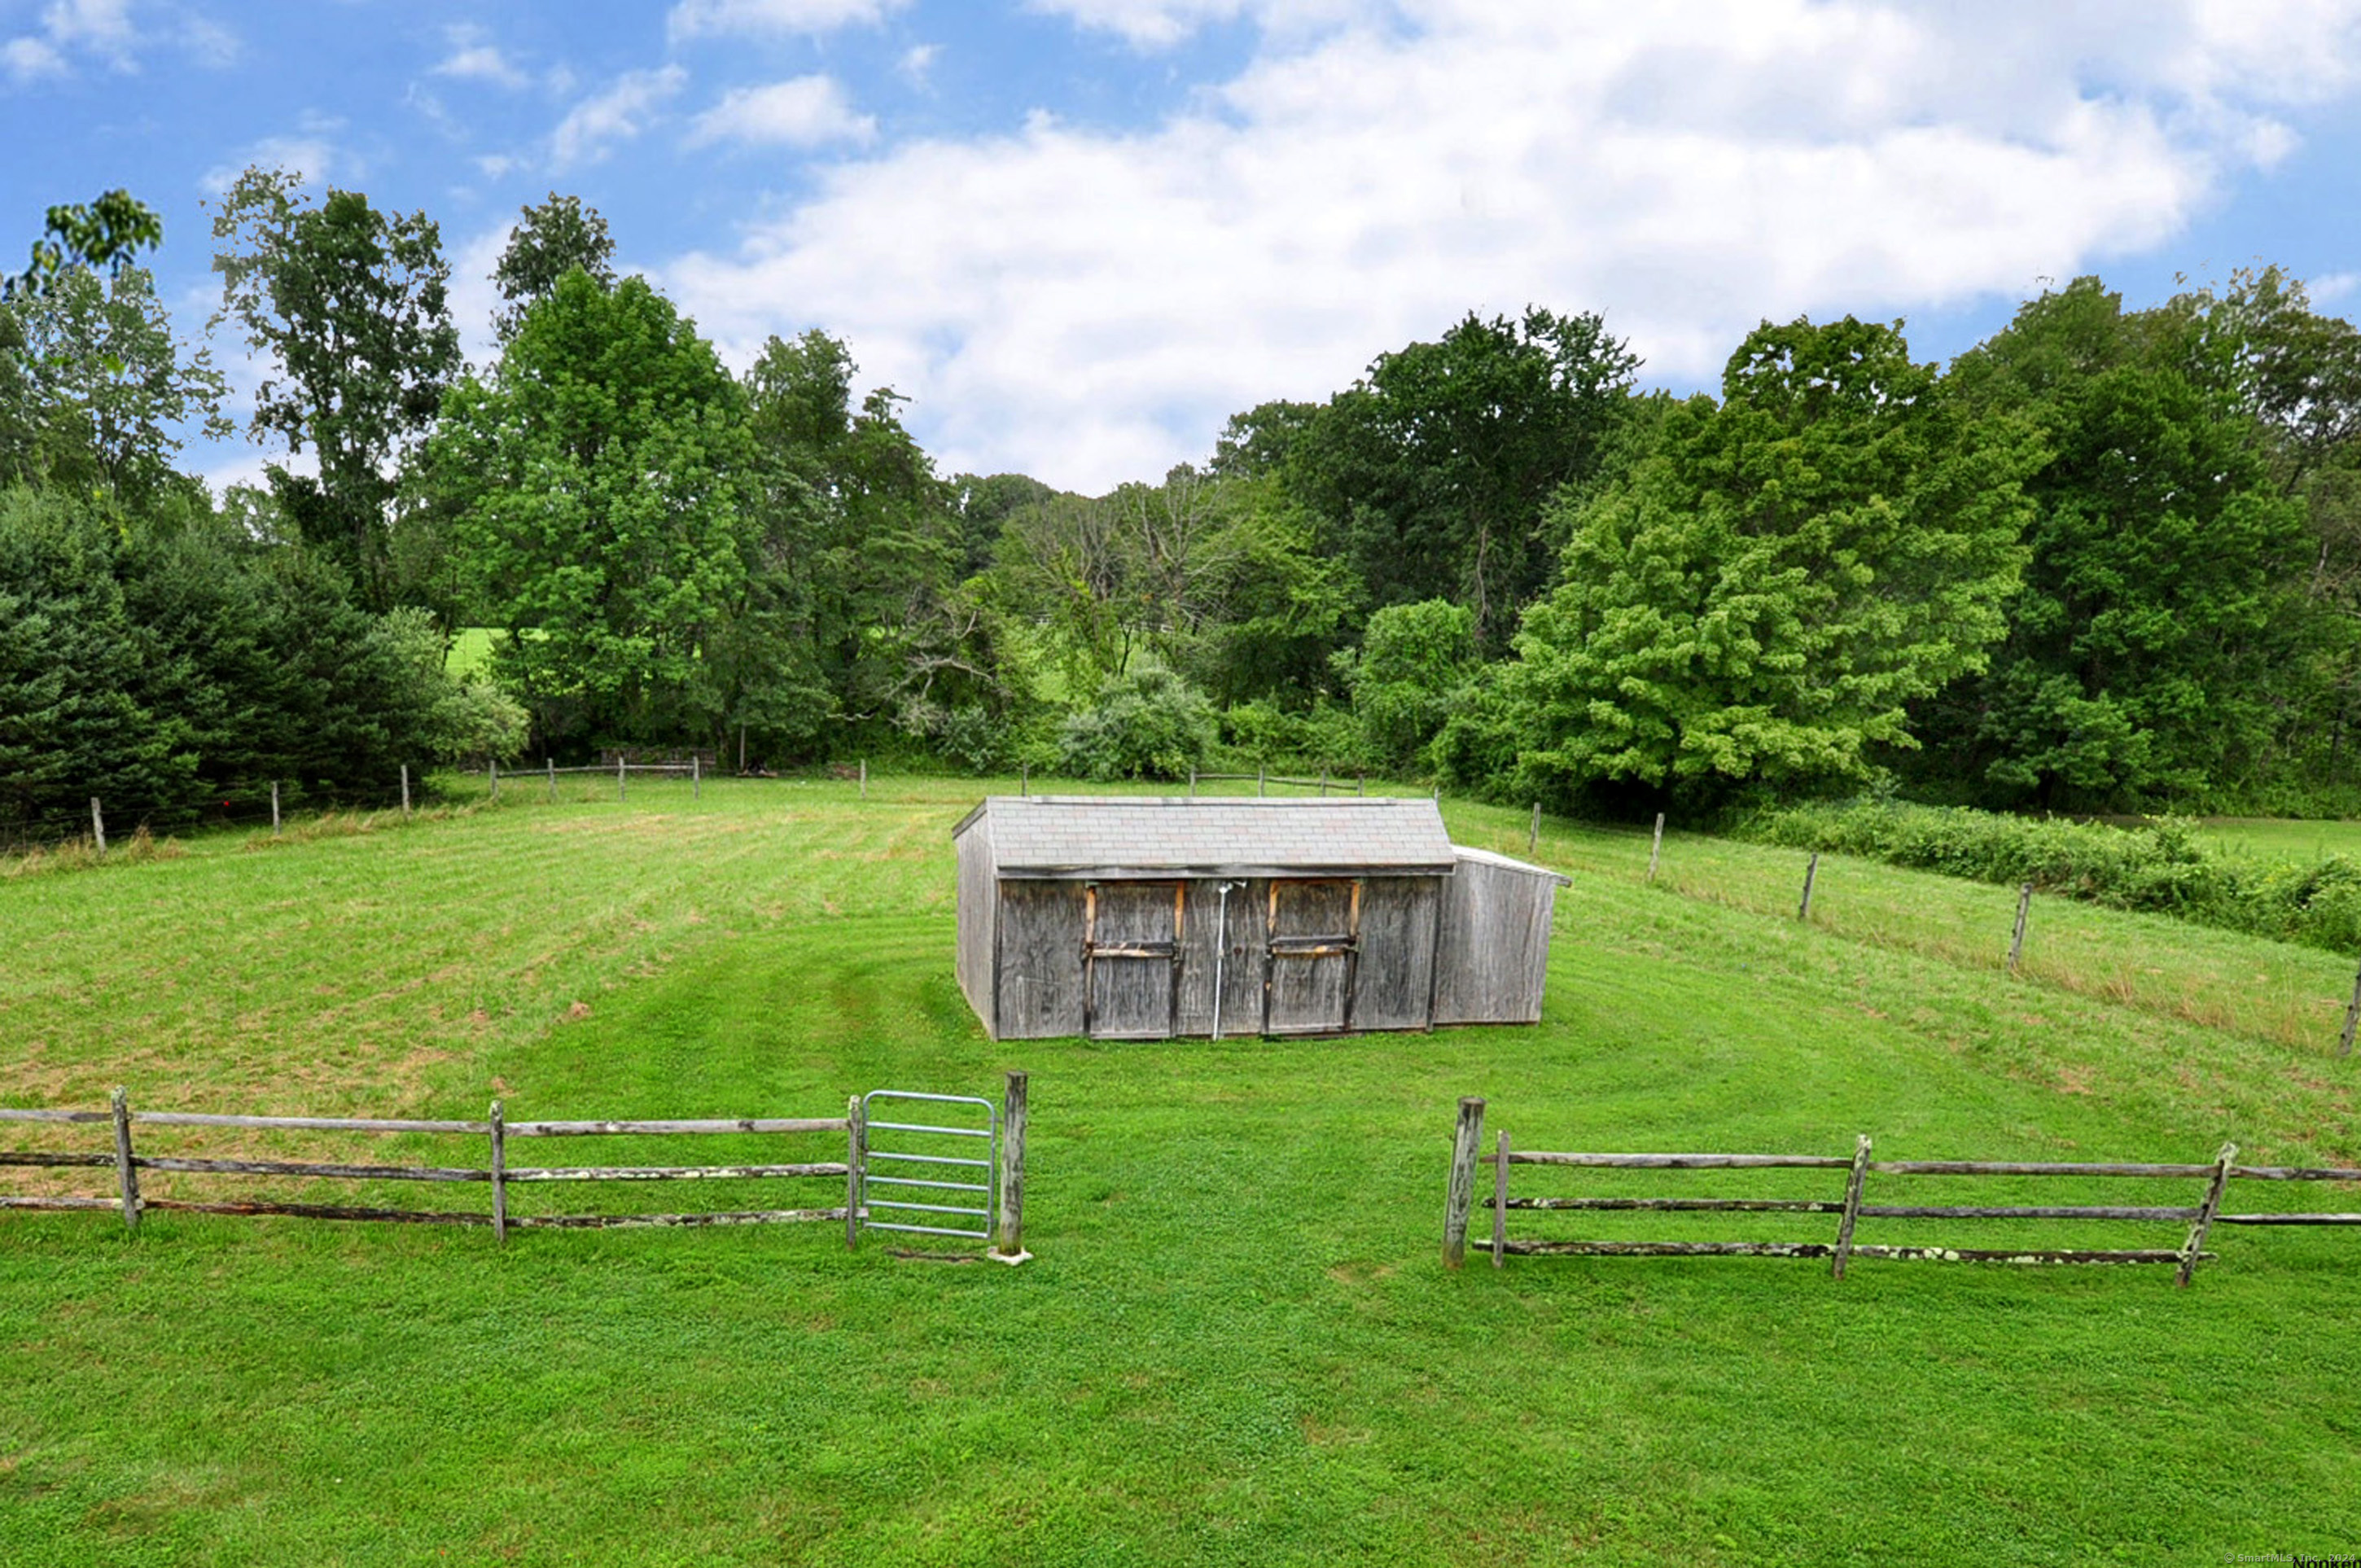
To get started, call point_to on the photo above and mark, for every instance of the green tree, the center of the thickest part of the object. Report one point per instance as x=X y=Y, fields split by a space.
x=1431 y=473
x=876 y=563
x=99 y=388
x=549 y=241
x=598 y=480
x=349 y=308
x=1775 y=583
x=1413 y=660
x=106 y=233
x=2163 y=607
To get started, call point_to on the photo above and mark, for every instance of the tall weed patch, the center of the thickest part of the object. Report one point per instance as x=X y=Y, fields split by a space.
x=2162 y=867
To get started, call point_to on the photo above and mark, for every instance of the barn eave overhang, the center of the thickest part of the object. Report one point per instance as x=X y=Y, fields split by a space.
x=1205 y=873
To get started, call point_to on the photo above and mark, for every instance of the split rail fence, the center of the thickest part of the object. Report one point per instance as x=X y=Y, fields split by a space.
x=999 y=1198
x=2199 y=1217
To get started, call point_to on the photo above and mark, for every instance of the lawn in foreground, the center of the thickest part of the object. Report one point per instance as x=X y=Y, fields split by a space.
x=1235 y=1344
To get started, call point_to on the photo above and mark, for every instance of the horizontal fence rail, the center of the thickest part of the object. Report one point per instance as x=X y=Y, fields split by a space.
x=496 y=1130
x=1850 y=1208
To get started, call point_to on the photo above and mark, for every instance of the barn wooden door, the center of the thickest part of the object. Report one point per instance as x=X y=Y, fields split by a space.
x=1315 y=946
x=1131 y=951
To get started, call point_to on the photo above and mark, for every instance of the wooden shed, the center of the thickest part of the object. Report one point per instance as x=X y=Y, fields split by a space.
x=1139 y=918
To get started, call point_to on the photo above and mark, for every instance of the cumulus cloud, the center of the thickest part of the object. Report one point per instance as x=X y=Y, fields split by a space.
x=693 y=19
x=808 y=111
x=621 y=111
x=1090 y=305
x=475 y=57
x=314 y=157
x=1158 y=24
x=68 y=27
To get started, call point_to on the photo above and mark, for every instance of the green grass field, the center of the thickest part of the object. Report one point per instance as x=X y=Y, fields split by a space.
x=1235 y=1344
x=2274 y=839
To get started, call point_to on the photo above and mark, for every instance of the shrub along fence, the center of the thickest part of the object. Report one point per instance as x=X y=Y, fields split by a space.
x=997 y=1199
x=2199 y=1217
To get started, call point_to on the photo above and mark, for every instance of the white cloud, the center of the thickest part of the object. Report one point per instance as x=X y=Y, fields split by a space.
x=804 y=112
x=1158 y=24
x=316 y=159
x=693 y=18
x=2331 y=287
x=475 y=57
x=100 y=27
x=28 y=58
x=918 y=60
x=621 y=111
x=1088 y=306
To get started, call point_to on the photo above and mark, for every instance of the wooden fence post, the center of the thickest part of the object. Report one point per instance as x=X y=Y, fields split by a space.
x=620 y=789
x=274 y=808
x=1024 y=778
x=127 y=1175
x=1500 y=1199
x=864 y=778
x=2016 y=937
x=2352 y=1017
x=1534 y=833
x=405 y=789
x=493 y=768
x=1811 y=869
x=695 y=777
x=1193 y=780
x=1656 y=847
x=97 y=825
x=1009 y=1245
x=1258 y=785
x=2205 y=1212
x=855 y=1135
x=499 y=1175
x=1323 y=780
x=1465 y=1141
x=551 y=763
x=1852 y=1204
x=1360 y=783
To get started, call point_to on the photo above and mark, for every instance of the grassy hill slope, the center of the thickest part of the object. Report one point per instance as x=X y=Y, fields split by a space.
x=1235 y=1344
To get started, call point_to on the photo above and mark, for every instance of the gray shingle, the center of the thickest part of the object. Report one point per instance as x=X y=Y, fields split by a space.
x=1048 y=835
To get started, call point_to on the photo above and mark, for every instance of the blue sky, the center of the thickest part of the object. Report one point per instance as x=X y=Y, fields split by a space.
x=1078 y=234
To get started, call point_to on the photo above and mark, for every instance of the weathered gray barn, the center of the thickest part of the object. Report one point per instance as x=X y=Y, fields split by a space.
x=1131 y=918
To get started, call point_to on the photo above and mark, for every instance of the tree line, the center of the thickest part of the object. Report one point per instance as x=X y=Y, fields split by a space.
x=2108 y=559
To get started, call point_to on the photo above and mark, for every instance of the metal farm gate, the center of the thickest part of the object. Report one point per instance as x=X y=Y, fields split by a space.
x=957 y=1196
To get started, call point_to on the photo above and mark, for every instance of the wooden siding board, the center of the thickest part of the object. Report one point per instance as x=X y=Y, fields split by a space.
x=1397 y=969
x=976 y=947
x=1041 y=958
x=1131 y=996
x=1493 y=961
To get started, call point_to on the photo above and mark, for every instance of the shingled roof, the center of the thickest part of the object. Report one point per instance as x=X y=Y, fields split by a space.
x=1113 y=838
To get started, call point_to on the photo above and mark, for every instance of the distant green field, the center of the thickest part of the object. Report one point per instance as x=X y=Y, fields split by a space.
x=1235 y=1344
x=471 y=651
x=2267 y=838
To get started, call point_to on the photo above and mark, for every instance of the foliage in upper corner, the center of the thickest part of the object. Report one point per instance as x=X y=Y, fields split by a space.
x=106 y=233
x=1149 y=724
x=1773 y=586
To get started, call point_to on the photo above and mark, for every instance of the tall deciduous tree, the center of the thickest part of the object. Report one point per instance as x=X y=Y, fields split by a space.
x=348 y=307
x=599 y=479
x=1777 y=582
x=549 y=241
x=100 y=389
x=2163 y=607
x=1432 y=472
